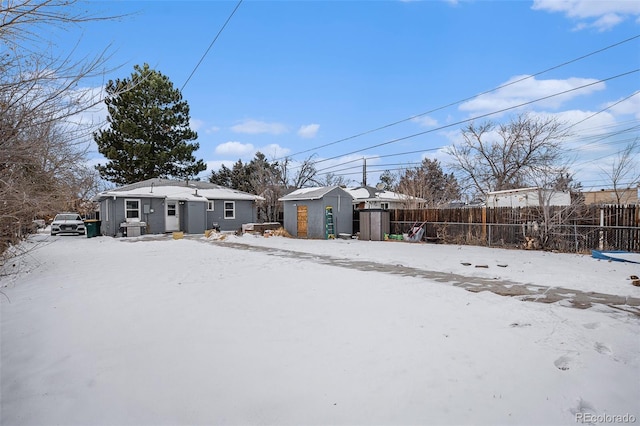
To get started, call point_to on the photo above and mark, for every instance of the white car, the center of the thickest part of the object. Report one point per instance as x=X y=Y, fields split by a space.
x=67 y=223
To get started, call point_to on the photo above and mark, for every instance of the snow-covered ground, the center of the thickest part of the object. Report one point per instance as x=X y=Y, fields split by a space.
x=152 y=331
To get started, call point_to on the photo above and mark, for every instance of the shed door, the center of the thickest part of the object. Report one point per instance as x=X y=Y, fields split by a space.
x=302 y=221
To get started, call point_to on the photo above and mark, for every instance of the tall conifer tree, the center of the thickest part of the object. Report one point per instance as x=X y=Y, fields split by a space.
x=149 y=134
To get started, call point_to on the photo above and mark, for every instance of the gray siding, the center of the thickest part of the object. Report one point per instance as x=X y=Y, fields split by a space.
x=195 y=217
x=289 y=217
x=245 y=212
x=155 y=220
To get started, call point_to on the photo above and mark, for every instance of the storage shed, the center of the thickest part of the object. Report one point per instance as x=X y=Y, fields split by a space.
x=319 y=213
x=374 y=224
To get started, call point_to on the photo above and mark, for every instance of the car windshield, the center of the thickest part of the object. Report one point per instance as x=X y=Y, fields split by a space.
x=67 y=217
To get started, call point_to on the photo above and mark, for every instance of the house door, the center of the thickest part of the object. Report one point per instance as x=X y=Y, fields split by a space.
x=302 y=221
x=172 y=216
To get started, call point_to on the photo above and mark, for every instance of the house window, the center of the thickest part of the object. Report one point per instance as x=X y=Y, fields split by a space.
x=229 y=210
x=384 y=206
x=132 y=210
x=210 y=205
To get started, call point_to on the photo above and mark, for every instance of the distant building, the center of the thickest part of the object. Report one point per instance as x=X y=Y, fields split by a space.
x=367 y=197
x=608 y=196
x=528 y=197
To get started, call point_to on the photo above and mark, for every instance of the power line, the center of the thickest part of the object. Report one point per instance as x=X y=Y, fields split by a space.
x=382 y=167
x=597 y=141
x=604 y=109
x=457 y=123
x=468 y=98
x=211 y=45
x=419 y=151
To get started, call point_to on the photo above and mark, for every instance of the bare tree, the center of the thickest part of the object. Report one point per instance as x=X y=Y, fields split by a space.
x=624 y=172
x=298 y=176
x=552 y=217
x=331 y=179
x=499 y=157
x=429 y=183
x=264 y=179
x=42 y=146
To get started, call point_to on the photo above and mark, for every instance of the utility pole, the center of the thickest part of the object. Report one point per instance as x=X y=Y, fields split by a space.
x=364 y=171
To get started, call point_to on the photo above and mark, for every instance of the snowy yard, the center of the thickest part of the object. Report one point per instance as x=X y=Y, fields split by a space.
x=252 y=330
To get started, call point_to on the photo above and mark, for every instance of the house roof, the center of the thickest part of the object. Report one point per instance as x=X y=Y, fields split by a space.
x=522 y=190
x=309 y=193
x=513 y=191
x=180 y=190
x=369 y=193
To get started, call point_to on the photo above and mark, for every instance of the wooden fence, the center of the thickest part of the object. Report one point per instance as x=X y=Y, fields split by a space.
x=556 y=228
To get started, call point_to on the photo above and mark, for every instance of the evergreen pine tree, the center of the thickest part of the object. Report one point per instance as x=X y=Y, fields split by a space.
x=221 y=177
x=149 y=132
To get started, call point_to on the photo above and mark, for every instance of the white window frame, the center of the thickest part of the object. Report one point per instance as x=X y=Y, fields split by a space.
x=384 y=205
x=126 y=210
x=211 y=205
x=233 y=210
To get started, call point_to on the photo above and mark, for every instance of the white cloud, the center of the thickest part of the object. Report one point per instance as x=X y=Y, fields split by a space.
x=308 y=131
x=528 y=90
x=234 y=148
x=425 y=121
x=195 y=124
x=602 y=15
x=215 y=165
x=630 y=106
x=257 y=127
x=95 y=161
x=96 y=115
x=273 y=151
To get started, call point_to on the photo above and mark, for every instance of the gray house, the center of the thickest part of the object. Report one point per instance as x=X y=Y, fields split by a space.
x=156 y=206
x=321 y=212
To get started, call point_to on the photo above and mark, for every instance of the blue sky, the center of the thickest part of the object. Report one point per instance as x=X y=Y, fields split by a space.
x=295 y=77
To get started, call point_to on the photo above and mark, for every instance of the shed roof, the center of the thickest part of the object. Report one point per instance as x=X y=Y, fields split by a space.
x=181 y=190
x=309 y=193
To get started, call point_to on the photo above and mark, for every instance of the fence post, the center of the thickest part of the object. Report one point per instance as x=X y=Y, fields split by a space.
x=484 y=223
x=601 y=243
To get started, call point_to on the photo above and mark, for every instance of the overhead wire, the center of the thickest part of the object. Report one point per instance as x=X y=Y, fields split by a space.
x=457 y=123
x=465 y=99
x=211 y=45
x=604 y=109
x=596 y=142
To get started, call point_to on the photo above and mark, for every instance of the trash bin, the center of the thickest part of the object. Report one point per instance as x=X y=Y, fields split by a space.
x=92 y=228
